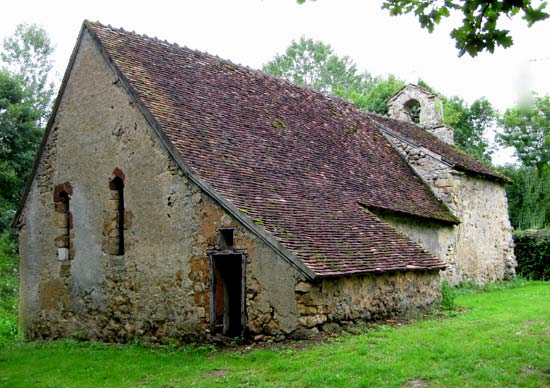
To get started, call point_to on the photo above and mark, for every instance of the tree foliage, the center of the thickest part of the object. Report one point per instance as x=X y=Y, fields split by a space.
x=378 y=91
x=25 y=100
x=479 y=30
x=314 y=64
x=470 y=124
x=27 y=55
x=19 y=136
x=526 y=127
x=528 y=197
x=532 y=249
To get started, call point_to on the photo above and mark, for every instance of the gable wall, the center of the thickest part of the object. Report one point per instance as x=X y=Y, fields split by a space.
x=480 y=248
x=159 y=288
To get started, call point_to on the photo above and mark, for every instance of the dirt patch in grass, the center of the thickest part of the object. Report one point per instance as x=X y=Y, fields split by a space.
x=531 y=323
x=528 y=370
x=216 y=373
x=416 y=383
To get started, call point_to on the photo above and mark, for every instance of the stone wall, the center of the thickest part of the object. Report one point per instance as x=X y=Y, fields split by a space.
x=331 y=303
x=480 y=248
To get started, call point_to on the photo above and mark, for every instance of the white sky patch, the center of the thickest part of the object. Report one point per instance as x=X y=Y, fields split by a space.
x=251 y=32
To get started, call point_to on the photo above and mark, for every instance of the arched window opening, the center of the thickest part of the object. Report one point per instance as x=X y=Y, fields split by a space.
x=115 y=221
x=63 y=221
x=413 y=107
x=67 y=231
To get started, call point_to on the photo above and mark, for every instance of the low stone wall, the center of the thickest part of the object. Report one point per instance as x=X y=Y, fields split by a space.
x=331 y=303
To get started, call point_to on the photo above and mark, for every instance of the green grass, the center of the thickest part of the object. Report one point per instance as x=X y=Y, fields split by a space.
x=500 y=337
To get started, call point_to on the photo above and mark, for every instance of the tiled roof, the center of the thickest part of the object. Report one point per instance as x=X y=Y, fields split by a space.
x=450 y=154
x=297 y=162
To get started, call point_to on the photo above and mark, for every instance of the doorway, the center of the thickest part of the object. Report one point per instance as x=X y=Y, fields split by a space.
x=227 y=293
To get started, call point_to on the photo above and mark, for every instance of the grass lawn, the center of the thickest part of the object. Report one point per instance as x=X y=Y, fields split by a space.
x=498 y=339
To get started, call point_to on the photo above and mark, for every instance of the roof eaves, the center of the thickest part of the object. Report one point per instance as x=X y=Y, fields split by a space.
x=446 y=219
x=291 y=258
x=376 y=271
x=496 y=177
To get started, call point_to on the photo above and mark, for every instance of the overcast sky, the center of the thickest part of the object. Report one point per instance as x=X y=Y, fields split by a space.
x=251 y=32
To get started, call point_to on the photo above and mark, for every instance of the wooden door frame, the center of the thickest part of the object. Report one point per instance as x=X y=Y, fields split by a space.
x=212 y=280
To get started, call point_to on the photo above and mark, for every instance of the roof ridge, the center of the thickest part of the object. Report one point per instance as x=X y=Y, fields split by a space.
x=93 y=24
x=329 y=97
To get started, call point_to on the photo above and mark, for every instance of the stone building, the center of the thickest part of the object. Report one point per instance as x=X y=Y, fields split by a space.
x=178 y=195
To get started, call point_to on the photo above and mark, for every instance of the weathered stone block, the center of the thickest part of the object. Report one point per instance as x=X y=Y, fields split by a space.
x=331 y=327
x=61 y=220
x=62 y=254
x=303 y=287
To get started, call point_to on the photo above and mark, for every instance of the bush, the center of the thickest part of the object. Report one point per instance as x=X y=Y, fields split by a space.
x=448 y=296
x=9 y=286
x=533 y=254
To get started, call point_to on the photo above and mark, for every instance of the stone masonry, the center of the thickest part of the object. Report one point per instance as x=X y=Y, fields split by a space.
x=431 y=110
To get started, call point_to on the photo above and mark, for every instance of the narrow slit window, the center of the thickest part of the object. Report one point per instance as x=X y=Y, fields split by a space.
x=63 y=222
x=116 y=208
x=66 y=215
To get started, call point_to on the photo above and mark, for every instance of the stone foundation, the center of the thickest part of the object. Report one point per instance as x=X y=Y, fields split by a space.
x=327 y=304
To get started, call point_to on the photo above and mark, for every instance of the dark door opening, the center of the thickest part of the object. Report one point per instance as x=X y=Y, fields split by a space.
x=227 y=295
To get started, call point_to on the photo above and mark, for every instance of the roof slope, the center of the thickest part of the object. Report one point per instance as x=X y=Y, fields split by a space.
x=450 y=154
x=297 y=162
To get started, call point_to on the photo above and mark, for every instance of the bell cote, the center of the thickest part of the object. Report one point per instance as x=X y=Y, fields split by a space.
x=417 y=105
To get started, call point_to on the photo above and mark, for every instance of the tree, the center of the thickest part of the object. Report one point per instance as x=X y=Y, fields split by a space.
x=526 y=127
x=470 y=124
x=378 y=91
x=479 y=30
x=25 y=102
x=314 y=64
x=19 y=137
x=27 y=55
x=528 y=197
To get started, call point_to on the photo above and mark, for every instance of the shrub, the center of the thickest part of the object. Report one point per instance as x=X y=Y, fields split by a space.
x=8 y=289
x=447 y=296
x=533 y=254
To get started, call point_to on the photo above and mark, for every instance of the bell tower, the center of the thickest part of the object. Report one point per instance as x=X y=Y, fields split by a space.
x=417 y=105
